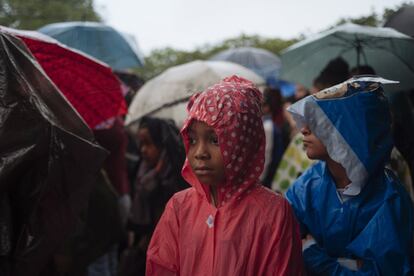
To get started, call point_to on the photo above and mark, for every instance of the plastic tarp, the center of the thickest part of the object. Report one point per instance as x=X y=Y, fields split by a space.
x=48 y=163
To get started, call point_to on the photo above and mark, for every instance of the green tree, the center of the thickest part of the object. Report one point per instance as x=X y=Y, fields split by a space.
x=388 y=12
x=32 y=14
x=373 y=19
x=369 y=20
x=161 y=59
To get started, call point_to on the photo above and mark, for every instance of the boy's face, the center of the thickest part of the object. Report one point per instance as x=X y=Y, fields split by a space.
x=150 y=152
x=204 y=154
x=313 y=146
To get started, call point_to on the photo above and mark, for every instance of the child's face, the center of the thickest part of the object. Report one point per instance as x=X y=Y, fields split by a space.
x=204 y=154
x=313 y=146
x=148 y=149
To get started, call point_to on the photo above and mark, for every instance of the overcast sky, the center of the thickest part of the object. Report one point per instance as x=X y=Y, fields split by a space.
x=187 y=24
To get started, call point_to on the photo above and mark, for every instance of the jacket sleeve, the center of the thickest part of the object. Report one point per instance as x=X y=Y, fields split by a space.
x=162 y=254
x=384 y=245
x=285 y=253
x=298 y=206
x=318 y=262
x=387 y=238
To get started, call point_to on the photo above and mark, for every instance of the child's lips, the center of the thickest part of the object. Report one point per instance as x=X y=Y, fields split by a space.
x=203 y=170
x=306 y=143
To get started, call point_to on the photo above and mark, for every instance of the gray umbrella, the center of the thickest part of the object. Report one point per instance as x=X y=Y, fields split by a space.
x=262 y=62
x=101 y=41
x=388 y=52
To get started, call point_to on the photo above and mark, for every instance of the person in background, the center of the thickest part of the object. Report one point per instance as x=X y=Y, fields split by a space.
x=356 y=218
x=157 y=179
x=290 y=131
x=294 y=160
x=272 y=108
x=114 y=139
x=112 y=136
x=227 y=223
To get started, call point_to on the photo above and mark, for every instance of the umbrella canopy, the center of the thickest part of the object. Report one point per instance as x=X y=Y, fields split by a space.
x=388 y=52
x=403 y=20
x=263 y=62
x=101 y=41
x=89 y=85
x=166 y=95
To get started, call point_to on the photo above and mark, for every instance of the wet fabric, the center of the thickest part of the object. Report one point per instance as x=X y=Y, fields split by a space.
x=48 y=165
x=115 y=140
x=100 y=231
x=375 y=224
x=252 y=231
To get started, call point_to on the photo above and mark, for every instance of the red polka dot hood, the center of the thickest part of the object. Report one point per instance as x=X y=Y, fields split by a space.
x=232 y=108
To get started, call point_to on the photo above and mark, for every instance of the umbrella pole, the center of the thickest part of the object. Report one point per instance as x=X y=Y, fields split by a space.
x=359 y=50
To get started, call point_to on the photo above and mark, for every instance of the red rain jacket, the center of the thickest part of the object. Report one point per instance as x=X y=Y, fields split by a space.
x=252 y=231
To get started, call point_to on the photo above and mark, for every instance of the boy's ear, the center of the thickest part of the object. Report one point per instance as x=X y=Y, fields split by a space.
x=192 y=100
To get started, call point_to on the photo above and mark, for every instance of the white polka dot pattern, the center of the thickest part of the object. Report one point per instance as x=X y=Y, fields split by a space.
x=232 y=108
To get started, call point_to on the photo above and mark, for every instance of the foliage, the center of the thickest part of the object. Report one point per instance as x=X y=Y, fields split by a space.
x=161 y=59
x=389 y=12
x=370 y=20
x=373 y=19
x=32 y=14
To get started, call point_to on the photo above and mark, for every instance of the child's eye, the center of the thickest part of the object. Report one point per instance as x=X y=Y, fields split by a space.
x=214 y=140
x=191 y=141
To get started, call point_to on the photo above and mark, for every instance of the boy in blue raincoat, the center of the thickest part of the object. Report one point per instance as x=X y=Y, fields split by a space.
x=355 y=216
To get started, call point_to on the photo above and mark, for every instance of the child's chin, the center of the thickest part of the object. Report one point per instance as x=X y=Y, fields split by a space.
x=207 y=181
x=312 y=156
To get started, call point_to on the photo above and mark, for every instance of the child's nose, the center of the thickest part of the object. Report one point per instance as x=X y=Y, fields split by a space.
x=201 y=151
x=305 y=130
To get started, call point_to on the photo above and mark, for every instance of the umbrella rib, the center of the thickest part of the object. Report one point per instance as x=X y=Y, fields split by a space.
x=394 y=53
x=404 y=62
x=373 y=41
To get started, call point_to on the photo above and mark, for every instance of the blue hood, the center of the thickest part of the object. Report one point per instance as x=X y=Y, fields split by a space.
x=353 y=121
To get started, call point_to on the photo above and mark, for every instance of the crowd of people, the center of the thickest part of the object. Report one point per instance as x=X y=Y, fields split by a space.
x=252 y=184
x=212 y=199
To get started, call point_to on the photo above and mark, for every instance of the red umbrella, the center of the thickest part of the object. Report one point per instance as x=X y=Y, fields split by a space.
x=89 y=85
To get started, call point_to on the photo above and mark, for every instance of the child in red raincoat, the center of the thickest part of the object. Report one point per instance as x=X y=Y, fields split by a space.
x=227 y=223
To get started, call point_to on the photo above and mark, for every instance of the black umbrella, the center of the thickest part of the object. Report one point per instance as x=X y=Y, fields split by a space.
x=403 y=20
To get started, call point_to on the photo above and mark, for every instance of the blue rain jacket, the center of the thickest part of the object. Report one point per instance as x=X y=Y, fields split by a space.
x=376 y=224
